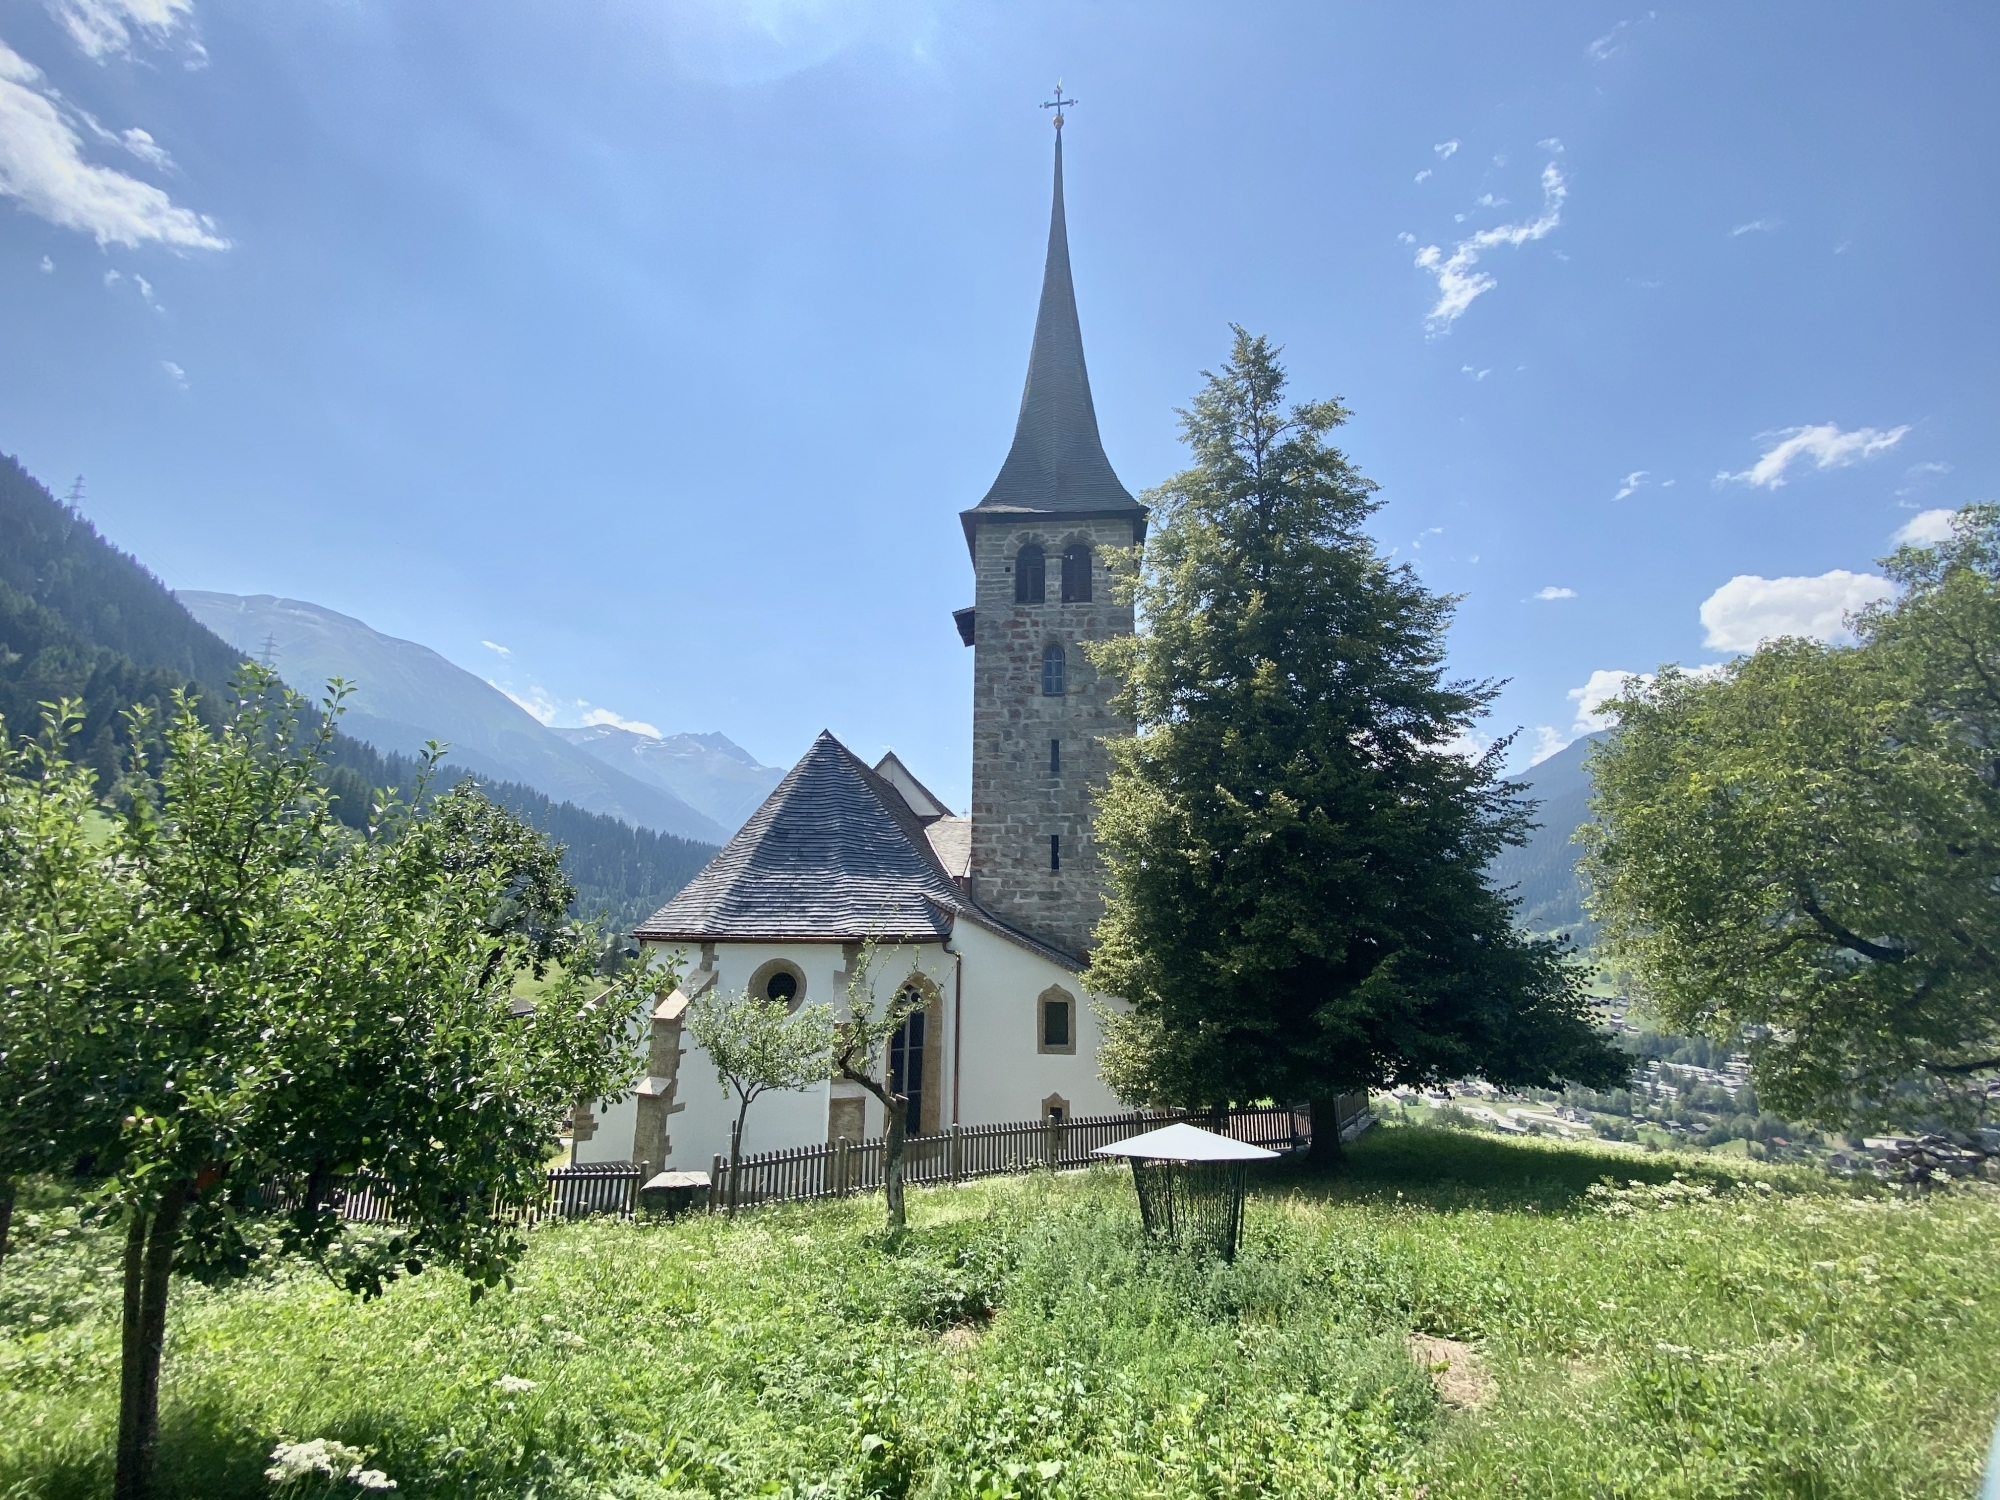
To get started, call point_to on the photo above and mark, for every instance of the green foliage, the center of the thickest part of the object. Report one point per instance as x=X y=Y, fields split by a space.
x=1659 y=1337
x=82 y=621
x=1296 y=850
x=1805 y=848
x=758 y=1046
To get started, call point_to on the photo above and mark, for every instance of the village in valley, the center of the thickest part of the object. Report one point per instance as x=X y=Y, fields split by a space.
x=1276 y=912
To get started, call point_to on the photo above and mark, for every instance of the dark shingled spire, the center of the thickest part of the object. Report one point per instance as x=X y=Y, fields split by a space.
x=1057 y=464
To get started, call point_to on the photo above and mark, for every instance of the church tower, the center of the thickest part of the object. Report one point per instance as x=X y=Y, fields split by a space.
x=1040 y=713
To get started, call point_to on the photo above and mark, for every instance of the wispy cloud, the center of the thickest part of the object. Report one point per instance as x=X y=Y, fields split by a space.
x=1475 y=374
x=1553 y=592
x=107 y=28
x=1445 y=149
x=1613 y=41
x=42 y=167
x=1749 y=610
x=1458 y=282
x=495 y=646
x=616 y=721
x=1553 y=143
x=47 y=265
x=1925 y=529
x=1631 y=485
x=175 y=373
x=1487 y=200
x=1825 y=446
x=1757 y=226
x=1423 y=174
x=533 y=701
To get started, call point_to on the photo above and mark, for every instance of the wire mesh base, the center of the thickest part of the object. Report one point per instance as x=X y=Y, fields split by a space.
x=1194 y=1205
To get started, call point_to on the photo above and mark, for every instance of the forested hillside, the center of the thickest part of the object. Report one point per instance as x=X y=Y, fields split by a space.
x=1543 y=870
x=81 y=619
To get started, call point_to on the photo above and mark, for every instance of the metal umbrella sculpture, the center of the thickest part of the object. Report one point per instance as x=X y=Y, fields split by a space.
x=1190 y=1185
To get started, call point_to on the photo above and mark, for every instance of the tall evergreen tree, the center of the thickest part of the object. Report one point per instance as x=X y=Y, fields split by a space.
x=1296 y=844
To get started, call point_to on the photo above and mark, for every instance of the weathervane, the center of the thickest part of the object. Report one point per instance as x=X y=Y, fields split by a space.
x=1059 y=104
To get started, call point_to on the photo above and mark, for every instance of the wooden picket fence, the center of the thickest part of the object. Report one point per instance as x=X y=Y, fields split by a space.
x=843 y=1167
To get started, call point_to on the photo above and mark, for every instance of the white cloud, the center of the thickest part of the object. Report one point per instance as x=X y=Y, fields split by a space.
x=1555 y=592
x=1475 y=374
x=496 y=646
x=112 y=278
x=175 y=373
x=47 y=265
x=1417 y=544
x=1406 y=238
x=1749 y=610
x=43 y=168
x=606 y=716
x=1590 y=699
x=1553 y=143
x=104 y=28
x=1487 y=200
x=1825 y=445
x=1925 y=529
x=1757 y=226
x=1610 y=44
x=1632 y=482
x=1423 y=174
x=1444 y=149
x=1458 y=282
x=142 y=145
x=536 y=702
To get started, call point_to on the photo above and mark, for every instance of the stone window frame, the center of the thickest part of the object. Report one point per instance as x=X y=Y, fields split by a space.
x=1057 y=993
x=762 y=976
x=1026 y=592
x=1078 y=584
x=1056 y=652
x=931 y=1108
x=1054 y=1103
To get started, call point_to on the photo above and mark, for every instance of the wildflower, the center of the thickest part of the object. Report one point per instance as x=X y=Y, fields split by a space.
x=514 y=1385
x=294 y=1461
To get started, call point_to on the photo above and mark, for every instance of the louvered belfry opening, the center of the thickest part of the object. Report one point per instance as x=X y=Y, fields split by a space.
x=1031 y=584
x=1076 y=574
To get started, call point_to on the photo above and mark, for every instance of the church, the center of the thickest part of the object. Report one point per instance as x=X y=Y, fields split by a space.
x=986 y=919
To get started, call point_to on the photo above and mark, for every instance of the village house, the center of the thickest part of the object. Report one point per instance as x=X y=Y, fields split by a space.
x=986 y=918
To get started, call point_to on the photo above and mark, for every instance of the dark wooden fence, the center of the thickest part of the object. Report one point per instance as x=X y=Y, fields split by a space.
x=801 y=1173
x=968 y=1151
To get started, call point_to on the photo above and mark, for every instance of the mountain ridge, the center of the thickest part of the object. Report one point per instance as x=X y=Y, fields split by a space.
x=405 y=693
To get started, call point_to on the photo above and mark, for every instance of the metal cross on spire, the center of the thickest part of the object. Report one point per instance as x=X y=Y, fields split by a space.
x=1059 y=104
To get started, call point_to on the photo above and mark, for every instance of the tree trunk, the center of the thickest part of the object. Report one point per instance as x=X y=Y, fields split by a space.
x=149 y=1265
x=892 y=1162
x=6 y=1215
x=1326 y=1148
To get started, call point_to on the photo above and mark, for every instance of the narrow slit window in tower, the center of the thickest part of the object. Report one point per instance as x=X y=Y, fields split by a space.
x=1055 y=757
x=1076 y=575
x=1055 y=851
x=1053 y=673
x=1030 y=575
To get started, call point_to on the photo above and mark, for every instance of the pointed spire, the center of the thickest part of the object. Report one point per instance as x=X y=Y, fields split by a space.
x=1057 y=463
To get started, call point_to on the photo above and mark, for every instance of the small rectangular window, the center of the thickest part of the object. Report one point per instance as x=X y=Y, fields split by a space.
x=1055 y=757
x=1055 y=851
x=1055 y=1023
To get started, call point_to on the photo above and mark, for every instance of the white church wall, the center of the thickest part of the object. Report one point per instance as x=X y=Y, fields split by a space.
x=1004 y=1073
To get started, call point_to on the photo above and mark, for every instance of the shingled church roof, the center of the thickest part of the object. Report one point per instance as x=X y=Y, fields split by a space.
x=1057 y=464
x=835 y=854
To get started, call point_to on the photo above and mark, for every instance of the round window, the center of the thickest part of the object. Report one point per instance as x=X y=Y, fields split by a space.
x=782 y=987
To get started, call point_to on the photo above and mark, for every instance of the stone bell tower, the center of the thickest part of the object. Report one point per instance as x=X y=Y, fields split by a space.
x=1039 y=712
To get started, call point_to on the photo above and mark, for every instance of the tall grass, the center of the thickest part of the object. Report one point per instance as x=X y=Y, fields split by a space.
x=1736 y=1331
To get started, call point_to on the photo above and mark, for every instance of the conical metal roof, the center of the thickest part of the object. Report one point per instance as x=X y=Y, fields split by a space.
x=1057 y=464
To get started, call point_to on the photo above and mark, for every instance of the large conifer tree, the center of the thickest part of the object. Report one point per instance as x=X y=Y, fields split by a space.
x=1296 y=845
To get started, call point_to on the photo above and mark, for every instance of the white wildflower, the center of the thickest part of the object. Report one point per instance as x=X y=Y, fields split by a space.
x=291 y=1462
x=514 y=1385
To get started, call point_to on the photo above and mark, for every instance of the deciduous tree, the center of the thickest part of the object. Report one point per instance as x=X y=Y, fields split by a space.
x=1805 y=849
x=759 y=1046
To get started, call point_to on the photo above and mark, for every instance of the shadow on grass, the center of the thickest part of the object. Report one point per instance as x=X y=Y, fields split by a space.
x=206 y=1453
x=1436 y=1168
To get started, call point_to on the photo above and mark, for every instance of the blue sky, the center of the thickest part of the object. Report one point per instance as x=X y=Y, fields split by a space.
x=661 y=341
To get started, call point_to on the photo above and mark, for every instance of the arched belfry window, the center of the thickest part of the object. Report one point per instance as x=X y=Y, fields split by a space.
x=1054 y=671
x=1031 y=574
x=1076 y=575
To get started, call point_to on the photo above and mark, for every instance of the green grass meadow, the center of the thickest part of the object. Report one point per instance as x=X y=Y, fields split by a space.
x=1735 y=1331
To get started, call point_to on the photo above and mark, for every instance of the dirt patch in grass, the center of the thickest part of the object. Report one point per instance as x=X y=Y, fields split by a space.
x=1456 y=1369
